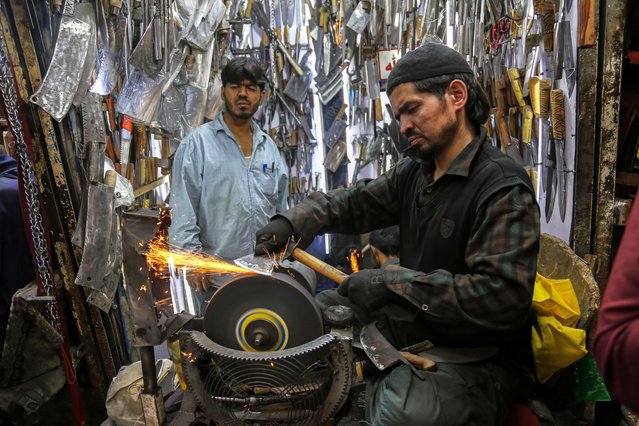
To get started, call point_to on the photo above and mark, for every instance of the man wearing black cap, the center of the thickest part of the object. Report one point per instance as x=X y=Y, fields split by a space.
x=469 y=239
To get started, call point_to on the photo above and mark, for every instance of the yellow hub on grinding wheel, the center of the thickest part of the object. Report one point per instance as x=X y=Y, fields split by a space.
x=261 y=330
x=258 y=313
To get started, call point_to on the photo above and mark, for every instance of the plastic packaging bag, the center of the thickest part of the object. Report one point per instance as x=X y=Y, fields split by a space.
x=214 y=100
x=555 y=343
x=587 y=382
x=555 y=346
x=556 y=298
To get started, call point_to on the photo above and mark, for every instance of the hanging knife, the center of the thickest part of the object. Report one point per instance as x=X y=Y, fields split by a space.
x=559 y=136
x=540 y=95
x=263 y=20
x=507 y=145
x=564 y=59
x=528 y=151
x=551 y=180
x=515 y=84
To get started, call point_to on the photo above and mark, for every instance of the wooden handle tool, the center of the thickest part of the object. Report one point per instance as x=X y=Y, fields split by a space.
x=534 y=87
x=515 y=84
x=318 y=266
x=526 y=126
x=544 y=98
x=586 y=36
x=502 y=129
x=549 y=26
x=513 y=123
x=558 y=115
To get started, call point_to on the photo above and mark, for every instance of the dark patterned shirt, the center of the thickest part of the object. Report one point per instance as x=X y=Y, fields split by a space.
x=495 y=291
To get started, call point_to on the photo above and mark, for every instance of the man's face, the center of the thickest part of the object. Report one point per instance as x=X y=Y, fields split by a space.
x=242 y=99
x=428 y=122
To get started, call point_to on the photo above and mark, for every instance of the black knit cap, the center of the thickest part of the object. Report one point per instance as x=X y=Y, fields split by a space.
x=429 y=60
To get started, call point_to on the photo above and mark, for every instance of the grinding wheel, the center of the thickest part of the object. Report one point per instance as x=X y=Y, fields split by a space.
x=262 y=313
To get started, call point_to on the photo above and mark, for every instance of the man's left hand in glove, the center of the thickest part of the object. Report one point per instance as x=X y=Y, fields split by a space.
x=366 y=288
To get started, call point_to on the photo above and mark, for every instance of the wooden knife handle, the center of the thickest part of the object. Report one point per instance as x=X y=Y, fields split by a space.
x=534 y=87
x=379 y=113
x=515 y=84
x=249 y=6
x=318 y=266
x=549 y=26
x=500 y=95
x=513 y=122
x=544 y=98
x=586 y=36
x=420 y=362
x=558 y=114
x=341 y=112
x=526 y=127
x=418 y=28
x=502 y=128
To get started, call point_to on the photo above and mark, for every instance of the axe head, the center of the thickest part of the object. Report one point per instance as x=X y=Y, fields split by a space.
x=263 y=265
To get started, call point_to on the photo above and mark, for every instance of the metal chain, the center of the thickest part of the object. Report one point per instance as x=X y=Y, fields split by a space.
x=271 y=46
x=38 y=235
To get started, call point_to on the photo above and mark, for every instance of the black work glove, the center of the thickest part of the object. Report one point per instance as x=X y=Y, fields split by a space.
x=273 y=236
x=366 y=288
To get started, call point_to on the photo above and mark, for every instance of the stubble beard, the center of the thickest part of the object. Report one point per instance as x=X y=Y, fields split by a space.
x=238 y=113
x=439 y=143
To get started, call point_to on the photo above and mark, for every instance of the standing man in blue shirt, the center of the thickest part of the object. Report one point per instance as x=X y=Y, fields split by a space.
x=228 y=175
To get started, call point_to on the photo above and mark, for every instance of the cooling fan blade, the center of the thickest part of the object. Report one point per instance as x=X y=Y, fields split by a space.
x=303 y=385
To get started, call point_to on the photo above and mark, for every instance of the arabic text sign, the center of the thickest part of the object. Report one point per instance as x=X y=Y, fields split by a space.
x=386 y=60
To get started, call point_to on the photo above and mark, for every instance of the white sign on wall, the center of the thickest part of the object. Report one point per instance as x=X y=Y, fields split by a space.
x=386 y=60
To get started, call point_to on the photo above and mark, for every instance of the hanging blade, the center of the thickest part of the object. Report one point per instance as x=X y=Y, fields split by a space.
x=528 y=153
x=509 y=146
x=60 y=84
x=559 y=135
x=569 y=61
x=551 y=180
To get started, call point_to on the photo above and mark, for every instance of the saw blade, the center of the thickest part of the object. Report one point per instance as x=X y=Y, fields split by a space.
x=262 y=313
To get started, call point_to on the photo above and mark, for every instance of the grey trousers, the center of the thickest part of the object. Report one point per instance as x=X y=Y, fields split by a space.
x=456 y=394
x=479 y=393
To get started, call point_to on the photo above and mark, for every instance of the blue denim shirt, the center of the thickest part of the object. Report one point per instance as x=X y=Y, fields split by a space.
x=219 y=199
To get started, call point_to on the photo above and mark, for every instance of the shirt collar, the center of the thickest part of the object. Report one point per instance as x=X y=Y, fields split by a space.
x=391 y=261
x=460 y=165
x=219 y=125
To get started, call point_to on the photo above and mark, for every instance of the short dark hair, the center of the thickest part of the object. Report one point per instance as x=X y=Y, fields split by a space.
x=477 y=107
x=386 y=240
x=243 y=68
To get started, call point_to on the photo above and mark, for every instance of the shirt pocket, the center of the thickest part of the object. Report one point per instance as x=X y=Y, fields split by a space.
x=265 y=180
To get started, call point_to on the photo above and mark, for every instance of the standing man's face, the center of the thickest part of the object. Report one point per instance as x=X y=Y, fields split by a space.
x=428 y=122
x=242 y=99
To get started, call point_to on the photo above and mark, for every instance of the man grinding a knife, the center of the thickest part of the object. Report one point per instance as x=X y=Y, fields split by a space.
x=228 y=175
x=469 y=226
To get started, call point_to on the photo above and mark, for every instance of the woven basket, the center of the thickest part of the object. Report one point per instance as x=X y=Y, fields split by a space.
x=557 y=261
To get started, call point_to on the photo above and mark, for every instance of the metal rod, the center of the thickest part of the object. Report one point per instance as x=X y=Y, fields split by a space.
x=149 y=375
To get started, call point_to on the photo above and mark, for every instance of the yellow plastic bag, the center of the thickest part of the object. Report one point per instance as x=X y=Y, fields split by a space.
x=555 y=346
x=556 y=298
x=556 y=343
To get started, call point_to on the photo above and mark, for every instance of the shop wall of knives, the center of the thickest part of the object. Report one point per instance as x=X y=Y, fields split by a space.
x=156 y=64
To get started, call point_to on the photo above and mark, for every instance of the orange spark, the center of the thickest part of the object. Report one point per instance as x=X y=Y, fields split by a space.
x=352 y=258
x=166 y=301
x=159 y=253
x=188 y=356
